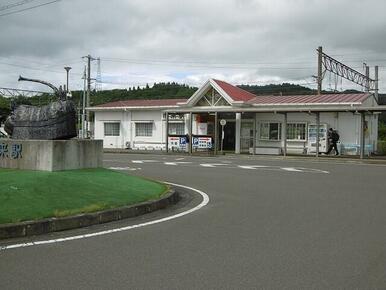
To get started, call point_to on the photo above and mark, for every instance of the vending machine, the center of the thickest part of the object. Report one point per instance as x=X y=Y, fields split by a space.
x=311 y=140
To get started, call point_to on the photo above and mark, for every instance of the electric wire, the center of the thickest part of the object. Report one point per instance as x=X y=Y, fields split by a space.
x=9 y=6
x=29 y=8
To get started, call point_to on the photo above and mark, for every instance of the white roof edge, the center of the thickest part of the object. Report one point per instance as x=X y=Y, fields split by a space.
x=130 y=107
x=340 y=108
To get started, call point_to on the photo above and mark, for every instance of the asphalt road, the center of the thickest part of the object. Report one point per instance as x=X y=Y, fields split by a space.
x=270 y=224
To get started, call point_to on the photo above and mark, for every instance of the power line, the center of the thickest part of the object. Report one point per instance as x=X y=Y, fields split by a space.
x=33 y=68
x=166 y=61
x=29 y=8
x=5 y=7
x=208 y=65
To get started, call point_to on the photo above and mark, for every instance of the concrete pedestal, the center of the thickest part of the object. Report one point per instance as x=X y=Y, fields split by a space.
x=51 y=155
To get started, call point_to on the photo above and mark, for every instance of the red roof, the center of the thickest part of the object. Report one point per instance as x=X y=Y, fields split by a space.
x=310 y=99
x=235 y=93
x=142 y=103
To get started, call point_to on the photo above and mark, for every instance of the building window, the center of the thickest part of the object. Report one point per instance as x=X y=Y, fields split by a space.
x=177 y=129
x=270 y=131
x=143 y=129
x=296 y=131
x=112 y=129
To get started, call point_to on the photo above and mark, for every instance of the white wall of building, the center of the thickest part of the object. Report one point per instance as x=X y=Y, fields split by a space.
x=127 y=134
x=157 y=140
x=347 y=125
x=111 y=117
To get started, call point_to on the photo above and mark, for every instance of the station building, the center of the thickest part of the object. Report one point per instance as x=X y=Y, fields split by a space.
x=220 y=116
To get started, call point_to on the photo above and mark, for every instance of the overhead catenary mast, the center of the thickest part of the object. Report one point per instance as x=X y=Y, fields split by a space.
x=336 y=67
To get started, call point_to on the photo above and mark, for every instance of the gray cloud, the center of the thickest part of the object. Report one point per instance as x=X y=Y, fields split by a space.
x=146 y=41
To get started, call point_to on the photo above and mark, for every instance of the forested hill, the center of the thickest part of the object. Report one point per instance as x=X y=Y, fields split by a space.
x=282 y=89
x=157 y=91
x=175 y=90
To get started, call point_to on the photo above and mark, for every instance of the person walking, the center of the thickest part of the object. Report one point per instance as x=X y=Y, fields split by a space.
x=333 y=138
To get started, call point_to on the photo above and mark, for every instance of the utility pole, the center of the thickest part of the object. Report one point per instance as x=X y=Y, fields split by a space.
x=89 y=59
x=376 y=83
x=320 y=77
x=98 y=83
x=367 y=78
x=84 y=105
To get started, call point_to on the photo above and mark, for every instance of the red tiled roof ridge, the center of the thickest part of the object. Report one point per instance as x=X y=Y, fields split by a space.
x=298 y=99
x=236 y=93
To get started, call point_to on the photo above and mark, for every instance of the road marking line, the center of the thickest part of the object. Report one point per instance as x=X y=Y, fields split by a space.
x=205 y=201
x=123 y=168
x=176 y=163
x=212 y=164
x=252 y=166
x=143 y=161
x=292 y=169
x=312 y=170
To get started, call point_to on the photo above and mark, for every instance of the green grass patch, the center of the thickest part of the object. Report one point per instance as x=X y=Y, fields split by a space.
x=31 y=195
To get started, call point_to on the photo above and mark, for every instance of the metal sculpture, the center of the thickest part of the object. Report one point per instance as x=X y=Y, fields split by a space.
x=54 y=121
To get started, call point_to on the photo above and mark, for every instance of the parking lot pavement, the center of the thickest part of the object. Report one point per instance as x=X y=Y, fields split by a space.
x=269 y=224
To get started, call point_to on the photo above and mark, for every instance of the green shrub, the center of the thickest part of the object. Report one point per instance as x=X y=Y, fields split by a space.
x=382 y=131
x=381 y=149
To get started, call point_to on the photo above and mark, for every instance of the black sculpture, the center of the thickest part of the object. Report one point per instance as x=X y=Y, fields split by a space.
x=56 y=120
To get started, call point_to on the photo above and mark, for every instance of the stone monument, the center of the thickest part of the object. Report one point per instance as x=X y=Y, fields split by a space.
x=54 y=121
x=42 y=138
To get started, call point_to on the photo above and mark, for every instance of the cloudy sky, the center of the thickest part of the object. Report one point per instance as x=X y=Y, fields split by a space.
x=144 y=41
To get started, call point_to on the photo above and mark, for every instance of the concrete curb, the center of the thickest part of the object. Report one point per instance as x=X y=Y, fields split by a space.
x=31 y=228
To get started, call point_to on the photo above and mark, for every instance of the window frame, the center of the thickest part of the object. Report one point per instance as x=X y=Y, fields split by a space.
x=176 y=131
x=305 y=131
x=142 y=123
x=111 y=123
x=279 y=133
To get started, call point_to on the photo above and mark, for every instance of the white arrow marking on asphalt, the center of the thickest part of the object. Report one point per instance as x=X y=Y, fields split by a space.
x=205 y=201
x=311 y=170
x=212 y=164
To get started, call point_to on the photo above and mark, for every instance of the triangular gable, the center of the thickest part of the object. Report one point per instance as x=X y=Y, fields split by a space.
x=211 y=95
x=212 y=98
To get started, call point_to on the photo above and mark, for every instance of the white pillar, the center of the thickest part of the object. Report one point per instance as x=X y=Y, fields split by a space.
x=285 y=135
x=238 y=133
x=362 y=136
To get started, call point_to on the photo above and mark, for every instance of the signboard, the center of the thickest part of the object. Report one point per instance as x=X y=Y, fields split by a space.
x=177 y=142
x=202 y=142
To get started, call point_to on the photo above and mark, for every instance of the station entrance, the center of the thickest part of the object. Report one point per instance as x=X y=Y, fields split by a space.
x=229 y=140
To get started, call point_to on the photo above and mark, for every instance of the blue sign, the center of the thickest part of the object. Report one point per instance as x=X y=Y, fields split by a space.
x=14 y=152
x=182 y=140
x=195 y=141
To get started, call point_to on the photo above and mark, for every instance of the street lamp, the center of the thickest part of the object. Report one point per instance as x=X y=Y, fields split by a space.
x=67 y=68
